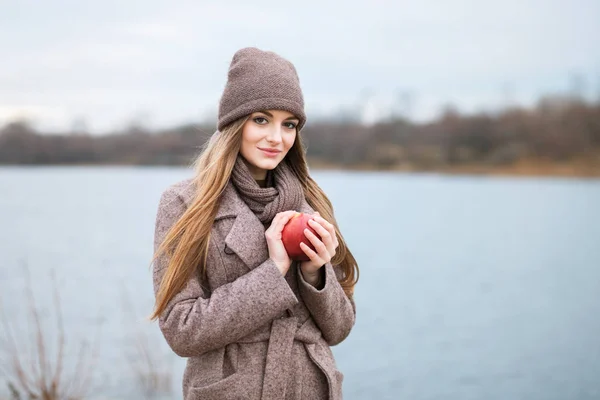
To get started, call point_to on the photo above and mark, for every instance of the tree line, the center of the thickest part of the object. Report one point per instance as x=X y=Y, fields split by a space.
x=557 y=129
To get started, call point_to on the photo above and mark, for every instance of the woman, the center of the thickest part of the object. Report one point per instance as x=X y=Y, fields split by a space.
x=253 y=323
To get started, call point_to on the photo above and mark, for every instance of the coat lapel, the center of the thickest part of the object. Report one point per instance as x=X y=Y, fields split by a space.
x=247 y=235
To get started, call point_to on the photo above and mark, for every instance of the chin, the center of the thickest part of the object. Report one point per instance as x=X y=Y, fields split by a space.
x=268 y=164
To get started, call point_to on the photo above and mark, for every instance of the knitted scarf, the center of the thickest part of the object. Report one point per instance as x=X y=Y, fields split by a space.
x=283 y=192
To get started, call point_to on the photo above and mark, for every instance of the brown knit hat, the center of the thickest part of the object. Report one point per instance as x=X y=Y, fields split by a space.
x=260 y=80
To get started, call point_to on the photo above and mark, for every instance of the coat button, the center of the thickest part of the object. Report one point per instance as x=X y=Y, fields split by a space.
x=228 y=250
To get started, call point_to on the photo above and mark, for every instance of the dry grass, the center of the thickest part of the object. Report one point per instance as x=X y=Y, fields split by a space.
x=32 y=370
x=33 y=366
x=154 y=376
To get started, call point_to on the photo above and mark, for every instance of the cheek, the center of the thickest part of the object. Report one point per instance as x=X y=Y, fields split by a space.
x=244 y=149
x=249 y=139
x=250 y=133
x=289 y=141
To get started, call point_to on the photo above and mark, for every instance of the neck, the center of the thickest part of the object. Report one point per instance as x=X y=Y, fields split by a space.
x=258 y=174
x=262 y=182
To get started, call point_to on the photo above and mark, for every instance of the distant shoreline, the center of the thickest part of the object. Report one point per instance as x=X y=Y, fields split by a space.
x=526 y=168
x=558 y=137
x=532 y=168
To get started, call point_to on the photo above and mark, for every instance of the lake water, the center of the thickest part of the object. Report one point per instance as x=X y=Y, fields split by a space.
x=470 y=287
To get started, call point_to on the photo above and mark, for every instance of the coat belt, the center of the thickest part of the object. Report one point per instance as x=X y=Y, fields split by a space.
x=279 y=353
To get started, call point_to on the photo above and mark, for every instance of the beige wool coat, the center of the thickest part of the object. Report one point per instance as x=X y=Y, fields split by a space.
x=249 y=332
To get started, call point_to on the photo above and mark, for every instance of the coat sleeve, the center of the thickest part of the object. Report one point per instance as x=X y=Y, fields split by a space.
x=333 y=311
x=196 y=321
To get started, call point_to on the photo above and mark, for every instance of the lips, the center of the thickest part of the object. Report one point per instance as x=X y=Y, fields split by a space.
x=270 y=151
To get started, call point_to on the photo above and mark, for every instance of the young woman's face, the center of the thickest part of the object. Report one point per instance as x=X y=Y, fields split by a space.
x=267 y=137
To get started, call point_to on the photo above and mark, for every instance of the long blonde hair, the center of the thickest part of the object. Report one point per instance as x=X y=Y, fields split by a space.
x=185 y=246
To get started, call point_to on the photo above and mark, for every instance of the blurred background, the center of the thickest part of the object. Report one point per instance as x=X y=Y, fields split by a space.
x=459 y=142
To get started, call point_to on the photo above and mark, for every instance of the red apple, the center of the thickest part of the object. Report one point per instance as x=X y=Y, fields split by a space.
x=293 y=233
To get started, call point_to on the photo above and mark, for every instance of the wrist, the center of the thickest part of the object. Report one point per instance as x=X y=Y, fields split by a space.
x=312 y=278
x=283 y=267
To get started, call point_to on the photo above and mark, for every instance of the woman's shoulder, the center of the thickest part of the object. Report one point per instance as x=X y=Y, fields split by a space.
x=180 y=192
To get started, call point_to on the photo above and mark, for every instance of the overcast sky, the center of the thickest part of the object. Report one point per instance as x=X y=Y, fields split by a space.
x=164 y=63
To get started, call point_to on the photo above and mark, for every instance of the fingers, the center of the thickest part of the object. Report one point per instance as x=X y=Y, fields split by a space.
x=284 y=217
x=324 y=244
x=324 y=233
x=330 y=229
x=323 y=253
x=278 y=223
x=329 y=226
x=314 y=257
x=316 y=242
x=286 y=214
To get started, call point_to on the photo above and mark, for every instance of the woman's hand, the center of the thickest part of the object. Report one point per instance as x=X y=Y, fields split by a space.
x=277 y=251
x=325 y=248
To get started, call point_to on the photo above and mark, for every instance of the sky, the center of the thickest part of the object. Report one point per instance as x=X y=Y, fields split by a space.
x=105 y=65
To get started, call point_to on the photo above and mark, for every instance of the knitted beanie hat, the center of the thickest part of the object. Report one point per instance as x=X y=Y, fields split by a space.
x=260 y=80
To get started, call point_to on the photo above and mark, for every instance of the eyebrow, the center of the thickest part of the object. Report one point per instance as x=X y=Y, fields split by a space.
x=271 y=115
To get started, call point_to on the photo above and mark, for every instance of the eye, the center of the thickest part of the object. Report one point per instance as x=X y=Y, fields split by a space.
x=290 y=125
x=260 y=120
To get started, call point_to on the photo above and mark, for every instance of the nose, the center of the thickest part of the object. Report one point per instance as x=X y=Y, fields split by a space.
x=274 y=134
